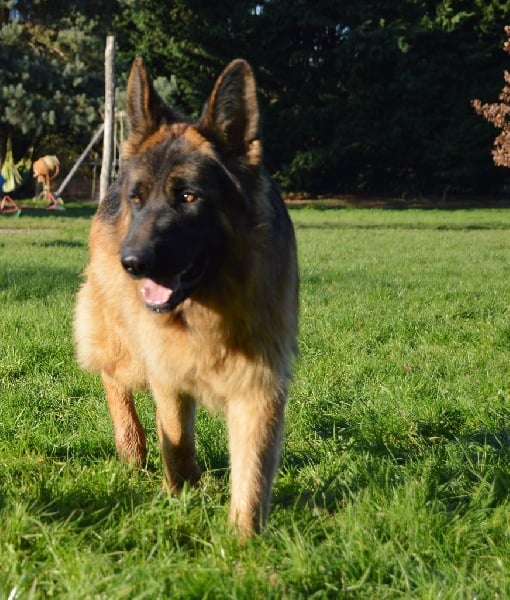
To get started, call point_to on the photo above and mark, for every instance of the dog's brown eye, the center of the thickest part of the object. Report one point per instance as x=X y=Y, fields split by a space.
x=139 y=193
x=188 y=197
x=135 y=196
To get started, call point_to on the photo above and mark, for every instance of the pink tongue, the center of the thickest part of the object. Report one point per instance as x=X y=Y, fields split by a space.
x=156 y=294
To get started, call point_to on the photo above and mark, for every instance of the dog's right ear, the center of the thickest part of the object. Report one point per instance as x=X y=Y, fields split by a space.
x=146 y=110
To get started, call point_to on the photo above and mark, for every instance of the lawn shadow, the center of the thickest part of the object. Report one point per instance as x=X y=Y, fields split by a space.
x=68 y=212
x=60 y=244
x=343 y=226
x=88 y=507
x=381 y=463
x=38 y=282
x=102 y=484
x=361 y=201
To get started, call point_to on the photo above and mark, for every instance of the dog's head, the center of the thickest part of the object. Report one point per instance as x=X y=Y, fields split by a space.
x=183 y=184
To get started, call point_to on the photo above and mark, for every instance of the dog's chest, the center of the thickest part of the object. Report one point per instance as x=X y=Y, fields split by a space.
x=194 y=356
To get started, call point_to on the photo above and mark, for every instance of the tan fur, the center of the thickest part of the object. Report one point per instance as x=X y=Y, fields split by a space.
x=206 y=350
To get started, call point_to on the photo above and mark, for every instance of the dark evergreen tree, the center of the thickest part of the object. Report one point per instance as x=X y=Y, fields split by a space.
x=371 y=95
x=51 y=72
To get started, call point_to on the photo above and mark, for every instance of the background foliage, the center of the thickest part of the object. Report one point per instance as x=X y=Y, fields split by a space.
x=356 y=96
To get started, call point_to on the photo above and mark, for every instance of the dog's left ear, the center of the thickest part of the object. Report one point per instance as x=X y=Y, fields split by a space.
x=231 y=115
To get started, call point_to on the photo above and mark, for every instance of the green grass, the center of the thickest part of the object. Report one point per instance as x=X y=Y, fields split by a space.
x=395 y=472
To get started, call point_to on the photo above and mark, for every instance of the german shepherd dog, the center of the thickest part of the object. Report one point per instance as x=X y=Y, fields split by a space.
x=192 y=287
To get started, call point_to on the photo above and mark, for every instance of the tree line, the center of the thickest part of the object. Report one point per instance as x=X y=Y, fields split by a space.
x=357 y=96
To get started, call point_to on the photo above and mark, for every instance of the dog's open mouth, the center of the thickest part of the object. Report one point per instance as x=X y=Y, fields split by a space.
x=165 y=293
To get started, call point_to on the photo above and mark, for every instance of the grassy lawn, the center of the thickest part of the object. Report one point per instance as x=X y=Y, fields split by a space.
x=395 y=472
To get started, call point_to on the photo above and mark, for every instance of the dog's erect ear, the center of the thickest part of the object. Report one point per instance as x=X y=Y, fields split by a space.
x=145 y=108
x=231 y=115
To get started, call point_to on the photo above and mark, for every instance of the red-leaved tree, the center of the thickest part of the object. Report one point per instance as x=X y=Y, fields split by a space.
x=498 y=113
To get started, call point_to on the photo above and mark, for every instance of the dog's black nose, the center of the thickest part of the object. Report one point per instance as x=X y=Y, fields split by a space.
x=137 y=264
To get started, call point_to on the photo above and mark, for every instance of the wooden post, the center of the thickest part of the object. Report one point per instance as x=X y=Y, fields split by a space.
x=109 y=117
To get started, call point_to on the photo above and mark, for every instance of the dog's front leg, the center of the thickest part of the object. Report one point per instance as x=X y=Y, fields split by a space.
x=255 y=429
x=129 y=433
x=175 y=415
